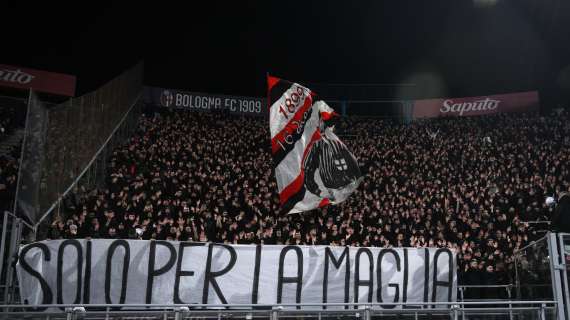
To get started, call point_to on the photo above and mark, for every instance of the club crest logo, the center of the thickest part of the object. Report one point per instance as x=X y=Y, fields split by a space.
x=166 y=98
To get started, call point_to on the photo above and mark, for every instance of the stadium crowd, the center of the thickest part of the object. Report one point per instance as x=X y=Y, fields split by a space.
x=12 y=116
x=472 y=184
x=8 y=179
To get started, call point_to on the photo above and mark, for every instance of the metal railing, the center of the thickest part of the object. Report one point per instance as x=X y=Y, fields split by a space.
x=507 y=287
x=447 y=310
x=11 y=235
x=508 y=291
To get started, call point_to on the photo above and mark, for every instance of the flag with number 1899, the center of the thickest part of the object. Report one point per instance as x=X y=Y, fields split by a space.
x=313 y=167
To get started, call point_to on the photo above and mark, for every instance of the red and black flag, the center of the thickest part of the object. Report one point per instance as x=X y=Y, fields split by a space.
x=313 y=167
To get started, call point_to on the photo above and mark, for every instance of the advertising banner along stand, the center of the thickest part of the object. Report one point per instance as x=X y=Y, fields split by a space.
x=204 y=102
x=167 y=272
x=42 y=81
x=475 y=106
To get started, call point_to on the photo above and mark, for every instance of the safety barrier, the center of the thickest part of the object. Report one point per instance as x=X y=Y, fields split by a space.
x=435 y=310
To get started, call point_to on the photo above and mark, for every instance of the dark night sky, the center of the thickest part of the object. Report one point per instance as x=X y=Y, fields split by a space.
x=450 y=47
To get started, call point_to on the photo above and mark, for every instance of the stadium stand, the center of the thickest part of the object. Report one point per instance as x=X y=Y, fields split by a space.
x=12 y=116
x=474 y=184
x=8 y=179
x=12 y=120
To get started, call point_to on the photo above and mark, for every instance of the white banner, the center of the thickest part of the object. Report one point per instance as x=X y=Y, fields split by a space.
x=161 y=272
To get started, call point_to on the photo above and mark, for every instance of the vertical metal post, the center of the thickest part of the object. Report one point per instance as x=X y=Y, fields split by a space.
x=3 y=243
x=275 y=314
x=542 y=312
x=517 y=280
x=510 y=304
x=367 y=313
x=455 y=312
x=14 y=242
x=23 y=145
x=555 y=267
x=564 y=273
x=107 y=313
x=462 y=297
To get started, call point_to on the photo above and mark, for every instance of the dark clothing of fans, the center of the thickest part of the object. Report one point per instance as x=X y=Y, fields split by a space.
x=209 y=177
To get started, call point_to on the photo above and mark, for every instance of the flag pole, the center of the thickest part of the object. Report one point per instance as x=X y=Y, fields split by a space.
x=267 y=88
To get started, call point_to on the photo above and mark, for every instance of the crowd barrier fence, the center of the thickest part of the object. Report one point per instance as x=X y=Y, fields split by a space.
x=542 y=310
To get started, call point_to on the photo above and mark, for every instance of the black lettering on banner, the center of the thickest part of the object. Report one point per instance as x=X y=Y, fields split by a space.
x=329 y=255
x=357 y=281
x=405 y=285
x=126 y=261
x=255 y=290
x=298 y=280
x=182 y=273
x=152 y=273
x=426 y=275
x=77 y=245
x=210 y=278
x=446 y=284
x=47 y=295
x=379 y=276
x=406 y=270
x=87 y=281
